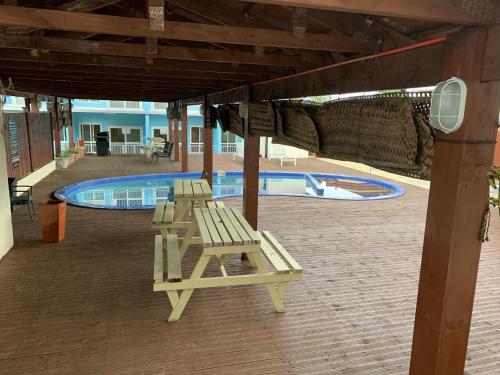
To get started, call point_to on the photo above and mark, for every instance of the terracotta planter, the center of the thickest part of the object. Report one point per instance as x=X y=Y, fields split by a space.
x=53 y=220
x=81 y=151
x=81 y=143
x=71 y=159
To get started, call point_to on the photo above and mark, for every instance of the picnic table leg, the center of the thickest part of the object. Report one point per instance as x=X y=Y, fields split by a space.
x=187 y=239
x=180 y=211
x=273 y=289
x=186 y=293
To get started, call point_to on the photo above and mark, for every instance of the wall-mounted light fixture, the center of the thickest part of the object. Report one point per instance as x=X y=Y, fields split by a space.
x=448 y=105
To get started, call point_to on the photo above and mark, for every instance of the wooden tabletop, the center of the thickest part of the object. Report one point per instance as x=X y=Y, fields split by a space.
x=191 y=190
x=224 y=227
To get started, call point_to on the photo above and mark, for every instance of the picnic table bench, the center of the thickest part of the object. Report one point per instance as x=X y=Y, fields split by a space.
x=223 y=233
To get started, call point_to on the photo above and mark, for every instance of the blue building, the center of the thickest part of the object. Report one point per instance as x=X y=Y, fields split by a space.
x=131 y=124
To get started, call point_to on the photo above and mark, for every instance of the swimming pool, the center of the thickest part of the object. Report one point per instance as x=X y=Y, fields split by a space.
x=144 y=191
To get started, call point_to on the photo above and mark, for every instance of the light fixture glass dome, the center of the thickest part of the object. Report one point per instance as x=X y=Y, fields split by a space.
x=448 y=105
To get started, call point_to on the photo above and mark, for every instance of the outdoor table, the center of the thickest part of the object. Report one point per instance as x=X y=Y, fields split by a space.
x=223 y=233
x=188 y=193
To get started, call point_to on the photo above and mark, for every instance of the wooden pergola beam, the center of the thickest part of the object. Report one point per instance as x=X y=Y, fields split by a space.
x=426 y=10
x=114 y=25
x=416 y=67
x=163 y=52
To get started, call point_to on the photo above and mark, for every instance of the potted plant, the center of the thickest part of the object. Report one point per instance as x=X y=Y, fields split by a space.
x=494 y=179
x=71 y=155
x=63 y=160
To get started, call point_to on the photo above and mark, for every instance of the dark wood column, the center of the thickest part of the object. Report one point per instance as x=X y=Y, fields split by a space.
x=170 y=133
x=176 y=140
x=71 y=141
x=251 y=176
x=208 y=150
x=34 y=104
x=456 y=210
x=54 y=114
x=185 y=163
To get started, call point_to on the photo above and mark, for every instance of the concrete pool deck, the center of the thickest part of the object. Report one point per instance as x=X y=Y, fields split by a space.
x=86 y=305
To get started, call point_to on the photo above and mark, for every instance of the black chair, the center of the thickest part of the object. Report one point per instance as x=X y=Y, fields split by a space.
x=21 y=195
x=166 y=153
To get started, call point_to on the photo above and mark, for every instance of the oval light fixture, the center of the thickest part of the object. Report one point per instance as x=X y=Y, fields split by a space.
x=448 y=105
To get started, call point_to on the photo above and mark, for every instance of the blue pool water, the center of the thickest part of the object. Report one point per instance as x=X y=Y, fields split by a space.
x=144 y=191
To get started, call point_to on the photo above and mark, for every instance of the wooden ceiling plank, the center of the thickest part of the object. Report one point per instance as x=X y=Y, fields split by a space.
x=426 y=10
x=138 y=50
x=214 y=70
x=84 y=22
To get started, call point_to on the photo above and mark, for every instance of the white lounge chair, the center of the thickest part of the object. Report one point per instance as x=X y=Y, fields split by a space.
x=279 y=152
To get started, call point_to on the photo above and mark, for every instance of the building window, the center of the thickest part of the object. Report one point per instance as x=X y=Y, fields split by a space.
x=161 y=133
x=197 y=136
x=122 y=104
x=88 y=133
x=160 y=106
x=228 y=142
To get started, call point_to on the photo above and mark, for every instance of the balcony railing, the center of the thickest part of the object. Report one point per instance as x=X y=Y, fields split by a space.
x=196 y=147
x=90 y=147
x=228 y=148
x=122 y=104
x=160 y=106
x=125 y=149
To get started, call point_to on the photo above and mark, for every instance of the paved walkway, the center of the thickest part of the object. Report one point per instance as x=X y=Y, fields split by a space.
x=86 y=305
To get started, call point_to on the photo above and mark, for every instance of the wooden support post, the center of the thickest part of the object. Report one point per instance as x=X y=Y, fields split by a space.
x=208 y=152
x=54 y=114
x=176 y=140
x=185 y=163
x=34 y=106
x=251 y=176
x=170 y=135
x=455 y=214
x=71 y=141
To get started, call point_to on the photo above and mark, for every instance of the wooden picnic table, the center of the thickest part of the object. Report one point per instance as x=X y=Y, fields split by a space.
x=223 y=232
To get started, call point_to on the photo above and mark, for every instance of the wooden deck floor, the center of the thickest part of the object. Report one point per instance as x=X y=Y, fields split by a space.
x=86 y=305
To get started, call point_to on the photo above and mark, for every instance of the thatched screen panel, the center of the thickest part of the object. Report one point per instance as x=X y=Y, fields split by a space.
x=40 y=133
x=261 y=119
x=295 y=127
x=230 y=119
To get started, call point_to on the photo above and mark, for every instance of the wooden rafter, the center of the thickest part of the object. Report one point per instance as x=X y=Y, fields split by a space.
x=85 y=5
x=81 y=22
x=427 y=10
